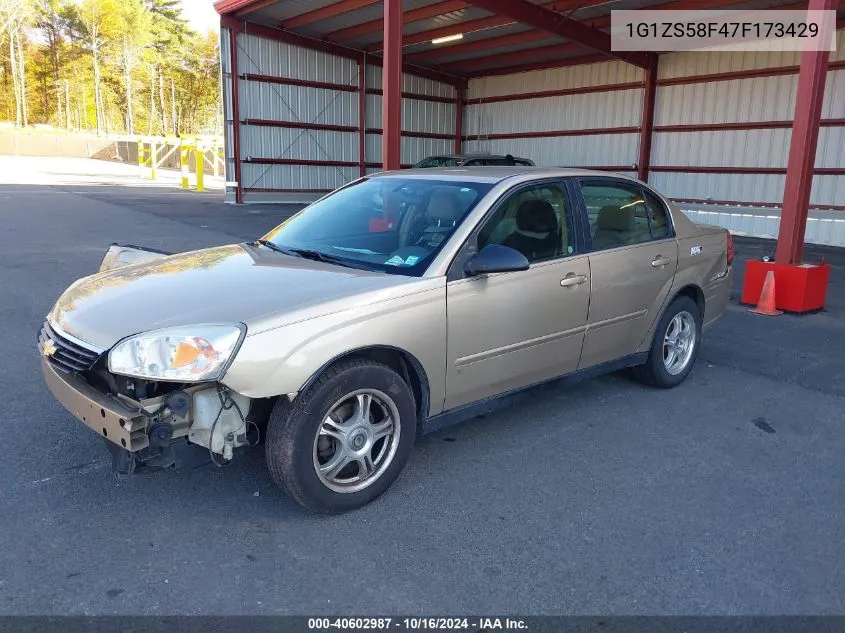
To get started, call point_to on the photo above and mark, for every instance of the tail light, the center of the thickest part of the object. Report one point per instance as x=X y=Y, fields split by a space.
x=730 y=248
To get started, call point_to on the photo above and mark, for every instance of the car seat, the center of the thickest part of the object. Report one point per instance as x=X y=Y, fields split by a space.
x=537 y=234
x=614 y=227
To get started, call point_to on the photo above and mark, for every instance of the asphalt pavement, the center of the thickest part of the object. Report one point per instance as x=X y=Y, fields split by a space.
x=722 y=496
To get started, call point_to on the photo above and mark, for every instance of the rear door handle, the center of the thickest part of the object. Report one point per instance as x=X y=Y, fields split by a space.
x=661 y=261
x=572 y=280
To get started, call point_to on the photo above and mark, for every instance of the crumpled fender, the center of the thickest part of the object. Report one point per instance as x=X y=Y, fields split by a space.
x=119 y=255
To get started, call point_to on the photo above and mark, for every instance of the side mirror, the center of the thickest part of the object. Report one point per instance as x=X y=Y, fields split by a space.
x=495 y=258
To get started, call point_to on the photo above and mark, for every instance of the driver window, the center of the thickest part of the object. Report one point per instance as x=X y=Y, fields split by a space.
x=536 y=221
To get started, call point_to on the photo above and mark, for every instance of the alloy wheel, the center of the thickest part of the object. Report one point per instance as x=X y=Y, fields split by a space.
x=356 y=441
x=679 y=343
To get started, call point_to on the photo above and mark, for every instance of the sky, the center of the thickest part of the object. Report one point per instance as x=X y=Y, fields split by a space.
x=200 y=14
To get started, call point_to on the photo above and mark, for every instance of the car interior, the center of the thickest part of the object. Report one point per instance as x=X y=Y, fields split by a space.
x=530 y=222
x=537 y=234
x=622 y=216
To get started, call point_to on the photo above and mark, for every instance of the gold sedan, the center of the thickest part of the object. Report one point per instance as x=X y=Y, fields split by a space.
x=397 y=304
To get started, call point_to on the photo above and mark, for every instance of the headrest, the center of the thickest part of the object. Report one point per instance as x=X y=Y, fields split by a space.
x=444 y=207
x=612 y=218
x=536 y=216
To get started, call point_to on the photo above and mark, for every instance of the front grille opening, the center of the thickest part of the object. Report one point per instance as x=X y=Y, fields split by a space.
x=69 y=356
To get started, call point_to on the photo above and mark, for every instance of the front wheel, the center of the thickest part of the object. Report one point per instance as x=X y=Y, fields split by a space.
x=345 y=440
x=675 y=345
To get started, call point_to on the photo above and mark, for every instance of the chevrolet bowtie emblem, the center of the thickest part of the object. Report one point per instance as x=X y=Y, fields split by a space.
x=48 y=348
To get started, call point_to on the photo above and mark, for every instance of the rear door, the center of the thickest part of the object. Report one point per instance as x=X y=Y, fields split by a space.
x=633 y=257
x=510 y=330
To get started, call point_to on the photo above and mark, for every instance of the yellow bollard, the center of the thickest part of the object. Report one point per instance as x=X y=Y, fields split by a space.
x=141 y=159
x=184 y=159
x=198 y=159
x=153 y=159
x=216 y=151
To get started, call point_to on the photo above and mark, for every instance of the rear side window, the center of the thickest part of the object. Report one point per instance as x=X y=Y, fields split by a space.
x=657 y=215
x=618 y=214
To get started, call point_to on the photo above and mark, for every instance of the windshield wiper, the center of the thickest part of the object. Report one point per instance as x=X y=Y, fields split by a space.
x=274 y=247
x=318 y=256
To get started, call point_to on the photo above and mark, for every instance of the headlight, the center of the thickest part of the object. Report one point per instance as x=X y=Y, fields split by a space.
x=183 y=354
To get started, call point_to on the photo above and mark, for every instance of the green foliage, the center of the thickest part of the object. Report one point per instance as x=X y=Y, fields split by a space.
x=168 y=27
x=106 y=64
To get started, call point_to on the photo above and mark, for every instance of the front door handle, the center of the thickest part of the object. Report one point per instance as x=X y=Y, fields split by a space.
x=572 y=280
x=661 y=261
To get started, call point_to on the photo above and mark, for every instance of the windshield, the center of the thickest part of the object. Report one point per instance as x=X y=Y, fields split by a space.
x=395 y=225
x=439 y=161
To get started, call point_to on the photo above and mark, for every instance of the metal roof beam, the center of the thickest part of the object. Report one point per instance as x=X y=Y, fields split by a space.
x=421 y=13
x=557 y=24
x=471 y=26
x=323 y=13
x=508 y=59
x=535 y=34
x=230 y=6
x=485 y=44
x=552 y=63
x=253 y=7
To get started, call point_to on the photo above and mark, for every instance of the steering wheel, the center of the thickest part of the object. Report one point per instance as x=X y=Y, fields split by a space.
x=411 y=227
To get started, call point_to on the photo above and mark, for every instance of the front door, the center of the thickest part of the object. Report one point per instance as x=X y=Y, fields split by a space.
x=510 y=330
x=632 y=263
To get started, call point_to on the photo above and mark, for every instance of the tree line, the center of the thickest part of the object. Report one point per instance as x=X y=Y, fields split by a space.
x=110 y=66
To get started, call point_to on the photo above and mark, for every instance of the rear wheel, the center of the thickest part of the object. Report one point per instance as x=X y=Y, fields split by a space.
x=345 y=440
x=675 y=345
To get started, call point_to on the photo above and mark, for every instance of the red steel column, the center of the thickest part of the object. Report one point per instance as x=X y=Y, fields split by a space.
x=362 y=117
x=459 y=118
x=391 y=83
x=802 y=149
x=236 y=116
x=647 y=125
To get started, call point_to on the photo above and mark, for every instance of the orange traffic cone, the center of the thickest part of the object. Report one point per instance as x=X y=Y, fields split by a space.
x=766 y=304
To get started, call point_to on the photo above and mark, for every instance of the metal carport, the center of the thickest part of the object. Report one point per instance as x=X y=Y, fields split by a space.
x=320 y=92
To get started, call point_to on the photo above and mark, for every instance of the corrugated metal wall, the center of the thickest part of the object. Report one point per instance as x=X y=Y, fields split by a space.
x=617 y=110
x=821 y=227
x=418 y=115
x=584 y=116
x=269 y=102
x=684 y=99
x=742 y=101
x=228 y=128
x=288 y=96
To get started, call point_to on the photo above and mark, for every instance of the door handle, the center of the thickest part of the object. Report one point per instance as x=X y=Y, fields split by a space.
x=661 y=261
x=572 y=280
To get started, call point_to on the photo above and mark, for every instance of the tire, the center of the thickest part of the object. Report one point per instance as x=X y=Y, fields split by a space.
x=302 y=440
x=657 y=371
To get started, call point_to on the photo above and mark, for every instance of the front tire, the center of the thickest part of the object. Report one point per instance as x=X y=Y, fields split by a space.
x=345 y=440
x=674 y=349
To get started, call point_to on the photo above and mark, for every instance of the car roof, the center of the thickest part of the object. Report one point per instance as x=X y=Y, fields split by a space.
x=493 y=174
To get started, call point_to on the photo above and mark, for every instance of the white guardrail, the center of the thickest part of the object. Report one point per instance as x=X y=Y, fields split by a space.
x=827 y=231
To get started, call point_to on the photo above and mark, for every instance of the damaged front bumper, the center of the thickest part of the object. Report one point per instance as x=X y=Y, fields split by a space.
x=145 y=423
x=136 y=436
x=118 y=423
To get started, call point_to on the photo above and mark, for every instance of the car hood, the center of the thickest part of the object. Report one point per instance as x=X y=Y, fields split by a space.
x=240 y=283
